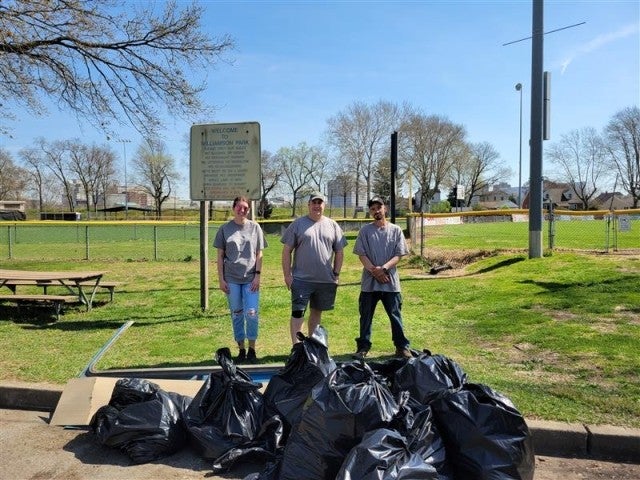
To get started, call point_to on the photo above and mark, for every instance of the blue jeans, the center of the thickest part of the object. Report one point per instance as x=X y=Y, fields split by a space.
x=392 y=302
x=243 y=304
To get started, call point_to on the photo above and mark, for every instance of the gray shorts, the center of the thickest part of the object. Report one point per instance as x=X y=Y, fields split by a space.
x=321 y=296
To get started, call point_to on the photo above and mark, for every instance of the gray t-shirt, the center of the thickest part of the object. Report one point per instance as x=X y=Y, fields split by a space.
x=241 y=244
x=314 y=244
x=380 y=244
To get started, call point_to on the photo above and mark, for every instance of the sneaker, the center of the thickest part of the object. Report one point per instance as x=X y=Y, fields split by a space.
x=251 y=356
x=242 y=356
x=403 y=353
x=359 y=355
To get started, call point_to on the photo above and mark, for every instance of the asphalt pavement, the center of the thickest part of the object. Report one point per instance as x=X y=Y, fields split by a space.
x=33 y=449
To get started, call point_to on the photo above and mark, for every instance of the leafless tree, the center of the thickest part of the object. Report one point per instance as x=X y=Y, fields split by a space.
x=156 y=173
x=56 y=160
x=12 y=177
x=623 y=145
x=269 y=178
x=361 y=135
x=111 y=62
x=580 y=155
x=429 y=144
x=382 y=178
x=343 y=183
x=477 y=170
x=33 y=160
x=91 y=164
x=297 y=167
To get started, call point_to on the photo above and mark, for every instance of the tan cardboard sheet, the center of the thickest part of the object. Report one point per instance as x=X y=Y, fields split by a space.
x=82 y=397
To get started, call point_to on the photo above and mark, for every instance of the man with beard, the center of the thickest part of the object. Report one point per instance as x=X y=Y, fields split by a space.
x=380 y=245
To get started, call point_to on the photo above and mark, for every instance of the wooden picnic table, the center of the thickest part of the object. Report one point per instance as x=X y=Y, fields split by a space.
x=74 y=281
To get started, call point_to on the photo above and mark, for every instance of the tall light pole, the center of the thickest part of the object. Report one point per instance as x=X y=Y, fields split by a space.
x=126 y=186
x=519 y=89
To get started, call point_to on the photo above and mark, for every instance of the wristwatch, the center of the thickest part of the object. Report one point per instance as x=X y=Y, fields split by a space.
x=386 y=272
x=337 y=274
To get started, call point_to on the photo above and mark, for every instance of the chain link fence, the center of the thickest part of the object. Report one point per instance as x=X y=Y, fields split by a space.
x=600 y=231
x=134 y=241
x=592 y=231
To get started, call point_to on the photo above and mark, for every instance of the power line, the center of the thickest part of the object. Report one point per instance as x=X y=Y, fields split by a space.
x=545 y=33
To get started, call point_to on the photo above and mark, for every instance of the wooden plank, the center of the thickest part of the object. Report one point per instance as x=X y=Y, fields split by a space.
x=39 y=298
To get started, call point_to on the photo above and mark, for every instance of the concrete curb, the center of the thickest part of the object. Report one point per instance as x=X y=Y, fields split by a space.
x=552 y=439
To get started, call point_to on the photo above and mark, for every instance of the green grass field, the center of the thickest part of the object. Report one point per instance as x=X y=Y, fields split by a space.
x=558 y=335
x=140 y=241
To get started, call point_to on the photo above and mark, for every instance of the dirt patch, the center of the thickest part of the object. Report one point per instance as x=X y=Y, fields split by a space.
x=445 y=263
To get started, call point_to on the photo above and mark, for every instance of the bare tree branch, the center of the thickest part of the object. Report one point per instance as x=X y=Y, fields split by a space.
x=110 y=62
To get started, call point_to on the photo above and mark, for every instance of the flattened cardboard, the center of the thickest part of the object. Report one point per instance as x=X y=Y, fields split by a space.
x=83 y=396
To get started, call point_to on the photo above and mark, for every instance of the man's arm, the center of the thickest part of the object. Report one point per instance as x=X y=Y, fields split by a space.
x=338 y=258
x=286 y=265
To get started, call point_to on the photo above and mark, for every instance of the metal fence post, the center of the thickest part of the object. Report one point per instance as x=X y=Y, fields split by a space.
x=552 y=227
x=9 y=240
x=86 y=242
x=155 y=242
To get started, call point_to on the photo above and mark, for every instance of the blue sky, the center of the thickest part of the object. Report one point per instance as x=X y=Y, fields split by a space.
x=297 y=63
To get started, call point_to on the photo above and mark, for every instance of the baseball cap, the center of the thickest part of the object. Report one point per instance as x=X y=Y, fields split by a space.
x=316 y=196
x=375 y=200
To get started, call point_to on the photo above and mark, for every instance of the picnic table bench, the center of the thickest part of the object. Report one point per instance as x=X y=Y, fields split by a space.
x=74 y=281
x=56 y=300
x=12 y=284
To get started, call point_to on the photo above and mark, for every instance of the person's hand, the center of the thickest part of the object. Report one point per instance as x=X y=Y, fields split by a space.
x=224 y=287
x=288 y=280
x=255 y=283
x=380 y=275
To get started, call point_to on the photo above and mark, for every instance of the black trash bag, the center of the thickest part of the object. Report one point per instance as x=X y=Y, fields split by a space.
x=427 y=375
x=265 y=448
x=384 y=454
x=340 y=410
x=142 y=420
x=415 y=423
x=271 y=472
x=289 y=389
x=484 y=434
x=226 y=412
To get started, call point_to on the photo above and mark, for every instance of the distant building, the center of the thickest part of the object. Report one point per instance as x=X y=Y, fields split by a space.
x=13 y=205
x=417 y=201
x=559 y=195
x=496 y=199
x=613 y=201
x=337 y=197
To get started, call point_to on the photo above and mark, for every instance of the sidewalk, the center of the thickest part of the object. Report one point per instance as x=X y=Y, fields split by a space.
x=554 y=439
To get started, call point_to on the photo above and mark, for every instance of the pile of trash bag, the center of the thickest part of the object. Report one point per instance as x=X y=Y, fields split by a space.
x=417 y=418
x=142 y=420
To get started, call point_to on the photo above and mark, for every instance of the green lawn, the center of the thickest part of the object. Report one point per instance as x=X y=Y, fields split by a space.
x=558 y=335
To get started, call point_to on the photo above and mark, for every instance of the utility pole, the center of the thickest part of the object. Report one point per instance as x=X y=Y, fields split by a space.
x=126 y=185
x=537 y=81
x=394 y=169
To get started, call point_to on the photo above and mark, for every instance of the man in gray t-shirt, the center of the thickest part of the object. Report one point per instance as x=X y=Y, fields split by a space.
x=380 y=245
x=311 y=262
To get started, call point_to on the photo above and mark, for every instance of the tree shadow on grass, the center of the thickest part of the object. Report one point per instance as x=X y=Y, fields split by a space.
x=504 y=263
x=624 y=283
